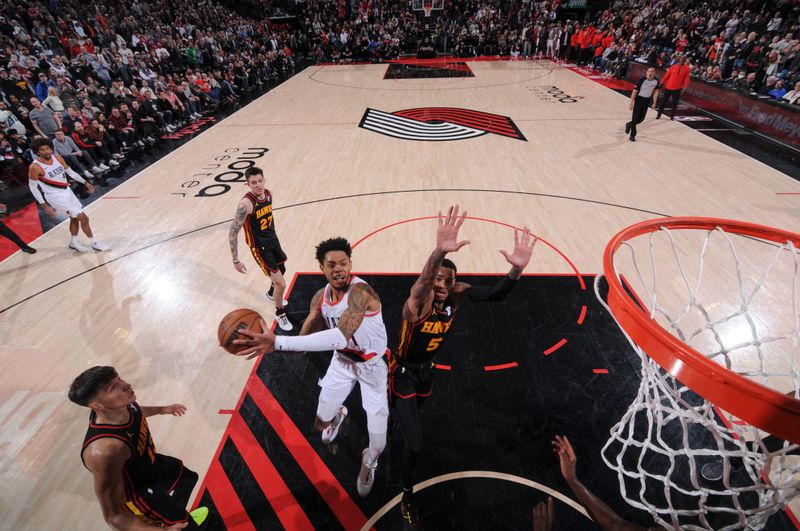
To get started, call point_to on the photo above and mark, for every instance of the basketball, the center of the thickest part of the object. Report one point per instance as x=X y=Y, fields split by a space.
x=233 y=322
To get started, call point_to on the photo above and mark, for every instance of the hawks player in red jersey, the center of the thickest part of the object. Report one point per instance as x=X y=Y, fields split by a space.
x=254 y=213
x=428 y=316
x=137 y=488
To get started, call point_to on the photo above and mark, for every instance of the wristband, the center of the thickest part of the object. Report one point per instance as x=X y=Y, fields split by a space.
x=332 y=339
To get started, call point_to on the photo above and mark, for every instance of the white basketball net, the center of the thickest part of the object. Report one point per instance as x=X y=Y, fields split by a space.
x=669 y=433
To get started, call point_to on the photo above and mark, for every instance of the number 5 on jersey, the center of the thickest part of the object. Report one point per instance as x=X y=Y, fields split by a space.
x=434 y=343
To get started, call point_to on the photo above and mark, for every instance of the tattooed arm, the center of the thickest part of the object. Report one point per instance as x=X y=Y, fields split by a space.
x=244 y=208
x=362 y=299
x=314 y=322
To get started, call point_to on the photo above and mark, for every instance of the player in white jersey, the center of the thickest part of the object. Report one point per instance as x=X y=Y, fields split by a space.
x=351 y=311
x=47 y=179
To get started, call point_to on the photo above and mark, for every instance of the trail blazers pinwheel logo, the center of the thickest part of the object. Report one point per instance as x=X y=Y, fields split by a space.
x=437 y=124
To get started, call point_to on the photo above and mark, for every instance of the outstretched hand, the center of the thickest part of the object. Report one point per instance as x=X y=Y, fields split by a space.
x=544 y=516
x=566 y=456
x=177 y=410
x=523 y=248
x=255 y=343
x=447 y=231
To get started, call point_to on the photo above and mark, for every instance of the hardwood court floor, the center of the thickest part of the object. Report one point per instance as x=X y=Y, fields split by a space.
x=151 y=305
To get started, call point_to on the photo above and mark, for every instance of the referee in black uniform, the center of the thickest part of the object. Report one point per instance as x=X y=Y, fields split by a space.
x=643 y=96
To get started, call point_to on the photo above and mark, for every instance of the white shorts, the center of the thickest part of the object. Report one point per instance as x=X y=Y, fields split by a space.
x=64 y=201
x=342 y=376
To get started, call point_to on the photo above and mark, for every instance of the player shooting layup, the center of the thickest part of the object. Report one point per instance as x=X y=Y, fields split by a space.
x=345 y=316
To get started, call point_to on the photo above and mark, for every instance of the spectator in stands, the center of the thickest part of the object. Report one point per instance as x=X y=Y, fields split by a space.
x=97 y=132
x=68 y=122
x=19 y=145
x=120 y=127
x=144 y=122
x=94 y=148
x=88 y=110
x=168 y=101
x=150 y=105
x=42 y=86
x=778 y=92
x=66 y=147
x=189 y=99
x=793 y=96
x=9 y=121
x=53 y=102
x=43 y=119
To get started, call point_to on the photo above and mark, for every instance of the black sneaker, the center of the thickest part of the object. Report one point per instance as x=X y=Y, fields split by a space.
x=28 y=249
x=627 y=128
x=408 y=510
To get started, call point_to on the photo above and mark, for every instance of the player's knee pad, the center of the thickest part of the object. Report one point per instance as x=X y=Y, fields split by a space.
x=327 y=411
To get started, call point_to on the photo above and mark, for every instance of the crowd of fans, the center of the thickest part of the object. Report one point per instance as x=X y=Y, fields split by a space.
x=748 y=45
x=114 y=76
x=104 y=79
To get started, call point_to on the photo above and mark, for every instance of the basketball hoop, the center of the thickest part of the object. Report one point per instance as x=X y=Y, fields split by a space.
x=709 y=441
x=427 y=7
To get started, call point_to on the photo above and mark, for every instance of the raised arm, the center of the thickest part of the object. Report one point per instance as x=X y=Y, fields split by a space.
x=604 y=515
x=421 y=296
x=519 y=259
x=242 y=210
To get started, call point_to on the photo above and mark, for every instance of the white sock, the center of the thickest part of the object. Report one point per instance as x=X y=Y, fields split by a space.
x=73 y=240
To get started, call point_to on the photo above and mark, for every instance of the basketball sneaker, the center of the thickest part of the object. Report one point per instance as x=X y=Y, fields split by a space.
x=283 y=322
x=100 y=246
x=199 y=515
x=366 y=474
x=408 y=510
x=329 y=433
x=75 y=246
x=271 y=296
